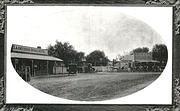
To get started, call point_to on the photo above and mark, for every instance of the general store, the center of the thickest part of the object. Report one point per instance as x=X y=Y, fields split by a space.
x=32 y=62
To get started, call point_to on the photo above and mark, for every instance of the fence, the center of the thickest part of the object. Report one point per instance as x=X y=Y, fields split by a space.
x=101 y=68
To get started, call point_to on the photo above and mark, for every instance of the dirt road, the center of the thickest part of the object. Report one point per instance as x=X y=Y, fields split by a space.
x=94 y=86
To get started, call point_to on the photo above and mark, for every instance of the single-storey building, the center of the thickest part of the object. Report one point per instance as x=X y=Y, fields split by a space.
x=138 y=61
x=30 y=62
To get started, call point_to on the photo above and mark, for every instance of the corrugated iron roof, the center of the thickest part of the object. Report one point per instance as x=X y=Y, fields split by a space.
x=33 y=56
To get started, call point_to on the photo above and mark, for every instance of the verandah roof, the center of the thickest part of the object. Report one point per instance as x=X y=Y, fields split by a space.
x=33 y=56
x=146 y=61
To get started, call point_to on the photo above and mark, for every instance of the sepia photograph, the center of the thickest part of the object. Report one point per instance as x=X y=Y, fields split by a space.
x=87 y=53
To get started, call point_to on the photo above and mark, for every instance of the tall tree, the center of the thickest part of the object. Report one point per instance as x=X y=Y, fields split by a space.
x=64 y=51
x=97 y=58
x=160 y=53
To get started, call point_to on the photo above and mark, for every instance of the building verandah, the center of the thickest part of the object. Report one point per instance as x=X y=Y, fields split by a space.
x=28 y=68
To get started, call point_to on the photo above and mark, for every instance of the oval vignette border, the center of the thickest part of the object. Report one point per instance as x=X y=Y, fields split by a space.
x=176 y=39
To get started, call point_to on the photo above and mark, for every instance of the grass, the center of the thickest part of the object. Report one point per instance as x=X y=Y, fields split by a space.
x=94 y=86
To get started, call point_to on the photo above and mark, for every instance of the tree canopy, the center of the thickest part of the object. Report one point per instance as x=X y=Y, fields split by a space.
x=160 y=53
x=143 y=49
x=97 y=58
x=66 y=52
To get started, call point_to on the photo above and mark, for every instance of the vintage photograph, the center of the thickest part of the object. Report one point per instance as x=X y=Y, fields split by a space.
x=93 y=54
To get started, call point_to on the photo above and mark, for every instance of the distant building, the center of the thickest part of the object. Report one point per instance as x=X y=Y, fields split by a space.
x=137 y=61
x=138 y=57
x=30 y=62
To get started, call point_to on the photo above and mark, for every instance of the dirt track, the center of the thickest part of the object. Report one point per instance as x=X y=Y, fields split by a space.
x=94 y=86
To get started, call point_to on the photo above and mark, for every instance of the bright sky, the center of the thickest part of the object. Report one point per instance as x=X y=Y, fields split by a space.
x=115 y=30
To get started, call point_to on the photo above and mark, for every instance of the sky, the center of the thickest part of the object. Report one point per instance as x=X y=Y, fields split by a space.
x=114 y=30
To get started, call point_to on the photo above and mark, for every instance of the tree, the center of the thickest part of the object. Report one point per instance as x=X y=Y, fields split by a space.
x=65 y=51
x=143 y=49
x=160 y=53
x=97 y=58
x=80 y=56
x=51 y=50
